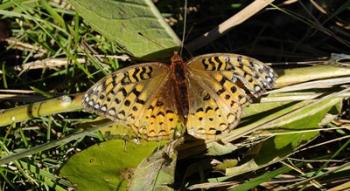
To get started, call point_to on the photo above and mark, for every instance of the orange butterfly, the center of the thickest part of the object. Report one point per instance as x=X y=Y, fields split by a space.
x=205 y=95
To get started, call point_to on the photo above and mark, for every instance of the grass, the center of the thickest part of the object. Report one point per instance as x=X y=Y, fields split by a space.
x=49 y=57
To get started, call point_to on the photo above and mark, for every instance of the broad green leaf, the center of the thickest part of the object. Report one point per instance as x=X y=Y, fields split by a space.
x=136 y=25
x=107 y=166
x=216 y=148
x=258 y=108
x=158 y=171
x=227 y=163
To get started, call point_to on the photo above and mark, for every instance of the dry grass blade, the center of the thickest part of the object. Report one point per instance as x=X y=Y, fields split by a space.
x=314 y=84
x=212 y=185
x=16 y=44
x=299 y=97
x=332 y=170
x=318 y=6
x=224 y=27
x=16 y=91
x=345 y=186
x=300 y=171
x=51 y=63
x=298 y=75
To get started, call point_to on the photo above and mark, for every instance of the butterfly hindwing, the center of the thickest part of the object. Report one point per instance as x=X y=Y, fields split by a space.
x=161 y=119
x=135 y=97
x=215 y=105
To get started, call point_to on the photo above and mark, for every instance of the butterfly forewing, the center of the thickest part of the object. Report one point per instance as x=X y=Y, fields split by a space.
x=255 y=75
x=135 y=97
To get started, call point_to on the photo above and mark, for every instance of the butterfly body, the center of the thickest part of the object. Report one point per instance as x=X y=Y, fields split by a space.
x=179 y=71
x=204 y=96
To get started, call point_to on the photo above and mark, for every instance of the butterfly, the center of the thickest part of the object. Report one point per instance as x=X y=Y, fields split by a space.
x=203 y=96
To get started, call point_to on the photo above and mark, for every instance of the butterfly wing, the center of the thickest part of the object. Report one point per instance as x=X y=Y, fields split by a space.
x=253 y=74
x=215 y=96
x=161 y=119
x=214 y=106
x=135 y=97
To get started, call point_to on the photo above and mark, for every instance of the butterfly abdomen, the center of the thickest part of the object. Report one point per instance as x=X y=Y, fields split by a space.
x=178 y=69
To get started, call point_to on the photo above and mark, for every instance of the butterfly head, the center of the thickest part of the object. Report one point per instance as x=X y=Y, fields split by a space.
x=176 y=58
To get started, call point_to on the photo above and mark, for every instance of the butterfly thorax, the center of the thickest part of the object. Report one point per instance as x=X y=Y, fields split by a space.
x=179 y=70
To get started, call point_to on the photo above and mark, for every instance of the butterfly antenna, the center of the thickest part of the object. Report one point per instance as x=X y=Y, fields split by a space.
x=184 y=28
x=153 y=41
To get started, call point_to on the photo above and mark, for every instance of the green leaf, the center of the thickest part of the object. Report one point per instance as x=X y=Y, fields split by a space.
x=216 y=148
x=107 y=166
x=276 y=148
x=136 y=25
x=157 y=171
x=261 y=109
